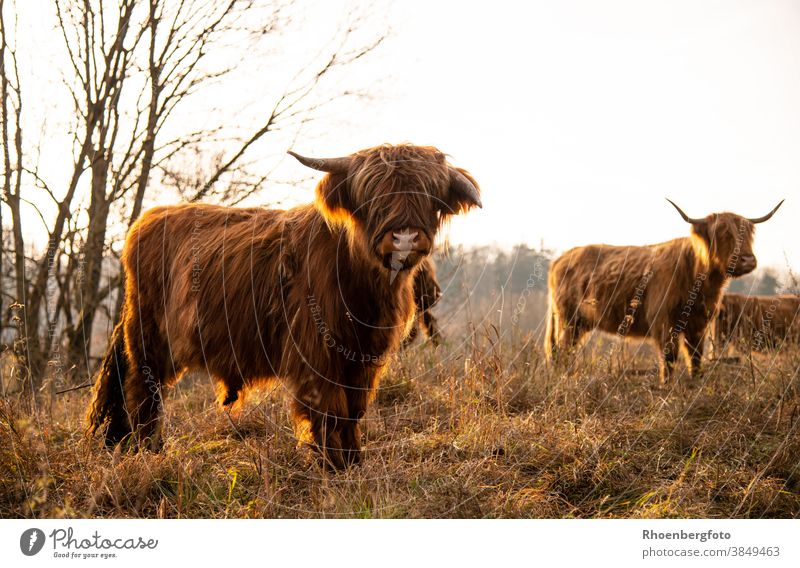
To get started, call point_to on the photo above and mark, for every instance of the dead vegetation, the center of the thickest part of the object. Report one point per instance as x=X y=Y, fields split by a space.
x=480 y=429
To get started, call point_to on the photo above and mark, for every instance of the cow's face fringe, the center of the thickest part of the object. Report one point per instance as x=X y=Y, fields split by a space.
x=389 y=189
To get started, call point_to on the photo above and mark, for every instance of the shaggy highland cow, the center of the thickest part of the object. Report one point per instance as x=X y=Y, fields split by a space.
x=757 y=323
x=426 y=293
x=317 y=296
x=660 y=292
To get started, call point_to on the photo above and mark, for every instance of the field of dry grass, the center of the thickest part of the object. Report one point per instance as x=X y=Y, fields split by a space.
x=477 y=429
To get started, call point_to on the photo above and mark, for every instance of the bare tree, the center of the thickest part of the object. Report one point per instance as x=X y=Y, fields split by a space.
x=11 y=104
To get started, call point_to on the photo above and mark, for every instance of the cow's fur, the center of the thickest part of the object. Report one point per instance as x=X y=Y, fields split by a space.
x=426 y=293
x=304 y=296
x=757 y=323
x=663 y=292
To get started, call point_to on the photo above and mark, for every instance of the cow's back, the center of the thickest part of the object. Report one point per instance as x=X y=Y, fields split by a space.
x=196 y=264
x=603 y=284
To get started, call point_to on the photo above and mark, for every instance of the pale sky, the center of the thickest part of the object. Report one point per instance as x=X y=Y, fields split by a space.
x=579 y=117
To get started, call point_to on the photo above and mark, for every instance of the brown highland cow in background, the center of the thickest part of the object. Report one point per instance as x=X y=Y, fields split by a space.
x=758 y=323
x=317 y=296
x=660 y=292
x=426 y=293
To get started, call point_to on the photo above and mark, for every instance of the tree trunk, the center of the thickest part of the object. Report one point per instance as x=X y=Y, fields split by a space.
x=80 y=336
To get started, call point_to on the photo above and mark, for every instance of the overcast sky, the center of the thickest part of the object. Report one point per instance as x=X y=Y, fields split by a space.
x=579 y=117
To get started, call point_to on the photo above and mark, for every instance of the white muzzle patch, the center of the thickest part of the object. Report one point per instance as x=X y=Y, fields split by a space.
x=403 y=243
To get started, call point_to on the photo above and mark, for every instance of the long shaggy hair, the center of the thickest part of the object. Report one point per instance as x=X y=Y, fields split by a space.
x=662 y=292
x=426 y=294
x=758 y=323
x=318 y=296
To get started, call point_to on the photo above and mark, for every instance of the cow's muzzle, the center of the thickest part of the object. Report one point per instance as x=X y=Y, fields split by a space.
x=745 y=265
x=401 y=249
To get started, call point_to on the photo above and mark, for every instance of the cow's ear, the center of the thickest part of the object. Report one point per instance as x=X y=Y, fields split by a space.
x=463 y=193
x=333 y=197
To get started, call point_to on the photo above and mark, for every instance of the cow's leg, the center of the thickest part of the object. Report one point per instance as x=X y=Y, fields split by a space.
x=694 y=344
x=357 y=401
x=149 y=358
x=326 y=429
x=350 y=437
x=669 y=354
x=319 y=418
x=569 y=336
x=564 y=329
x=431 y=327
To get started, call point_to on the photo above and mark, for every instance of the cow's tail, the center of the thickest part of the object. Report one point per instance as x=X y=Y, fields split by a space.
x=551 y=332
x=108 y=402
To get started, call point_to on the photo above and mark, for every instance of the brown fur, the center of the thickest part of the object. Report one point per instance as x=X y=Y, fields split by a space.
x=761 y=322
x=254 y=295
x=660 y=292
x=426 y=293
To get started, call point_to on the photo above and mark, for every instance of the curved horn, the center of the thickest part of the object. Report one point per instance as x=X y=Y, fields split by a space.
x=462 y=185
x=684 y=215
x=768 y=215
x=329 y=165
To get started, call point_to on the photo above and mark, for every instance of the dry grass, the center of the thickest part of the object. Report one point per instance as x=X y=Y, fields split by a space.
x=482 y=429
